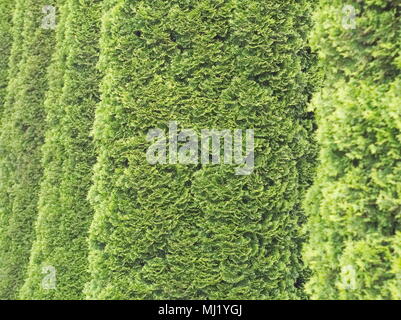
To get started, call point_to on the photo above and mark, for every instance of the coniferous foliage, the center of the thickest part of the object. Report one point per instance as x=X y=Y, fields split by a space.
x=21 y=139
x=354 y=205
x=92 y=90
x=9 y=70
x=197 y=231
x=6 y=14
x=64 y=212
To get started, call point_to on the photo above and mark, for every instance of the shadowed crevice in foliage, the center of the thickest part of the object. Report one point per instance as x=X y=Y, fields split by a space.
x=68 y=156
x=195 y=231
x=354 y=205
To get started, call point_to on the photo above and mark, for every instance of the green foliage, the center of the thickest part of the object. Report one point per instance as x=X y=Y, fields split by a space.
x=8 y=76
x=21 y=138
x=354 y=205
x=6 y=14
x=64 y=212
x=197 y=231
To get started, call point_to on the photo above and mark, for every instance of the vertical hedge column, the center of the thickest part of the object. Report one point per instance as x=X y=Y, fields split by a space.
x=9 y=66
x=64 y=212
x=354 y=206
x=6 y=14
x=52 y=146
x=197 y=231
x=21 y=139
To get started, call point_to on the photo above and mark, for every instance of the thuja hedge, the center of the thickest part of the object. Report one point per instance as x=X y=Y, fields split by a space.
x=52 y=163
x=64 y=212
x=199 y=231
x=6 y=14
x=21 y=139
x=52 y=147
x=10 y=65
x=354 y=249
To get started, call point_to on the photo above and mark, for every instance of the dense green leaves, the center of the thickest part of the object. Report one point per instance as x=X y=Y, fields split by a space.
x=354 y=206
x=6 y=13
x=21 y=140
x=64 y=213
x=113 y=70
x=198 y=231
x=9 y=57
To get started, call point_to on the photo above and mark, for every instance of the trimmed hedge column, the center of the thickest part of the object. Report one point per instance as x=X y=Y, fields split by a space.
x=354 y=249
x=6 y=14
x=201 y=231
x=64 y=212
x=9 y=68
x=21 y=139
